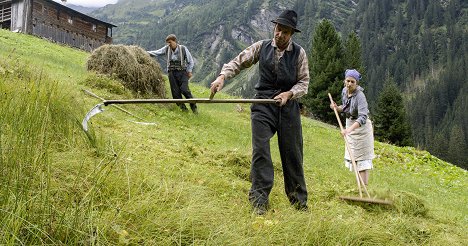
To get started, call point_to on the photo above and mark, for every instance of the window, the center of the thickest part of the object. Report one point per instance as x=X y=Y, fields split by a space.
x=70 y=20
x=94 y=28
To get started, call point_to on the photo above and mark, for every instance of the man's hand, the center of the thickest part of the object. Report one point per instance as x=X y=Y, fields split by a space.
x=218 y=84
x=189 y=74
x=284 y=96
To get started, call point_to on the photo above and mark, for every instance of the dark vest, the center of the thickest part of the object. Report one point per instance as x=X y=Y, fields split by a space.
x=280 y=77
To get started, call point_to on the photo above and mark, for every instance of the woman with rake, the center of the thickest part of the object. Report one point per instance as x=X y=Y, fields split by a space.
x=358 y=131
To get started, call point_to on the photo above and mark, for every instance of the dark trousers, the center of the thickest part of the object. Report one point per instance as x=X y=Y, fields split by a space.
x=178 y=79
x=268 y=119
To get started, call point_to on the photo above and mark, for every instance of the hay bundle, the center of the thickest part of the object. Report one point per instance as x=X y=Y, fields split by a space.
x=130 y=64
x=409 y=203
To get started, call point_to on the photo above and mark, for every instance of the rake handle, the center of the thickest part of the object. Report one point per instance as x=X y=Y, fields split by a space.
x=358 y=177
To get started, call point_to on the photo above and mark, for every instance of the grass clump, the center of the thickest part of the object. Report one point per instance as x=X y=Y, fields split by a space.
x=130 y=64
x=239 y=163
x=411 y=204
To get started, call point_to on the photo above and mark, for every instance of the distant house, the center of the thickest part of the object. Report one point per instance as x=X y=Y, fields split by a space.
x=55 y=21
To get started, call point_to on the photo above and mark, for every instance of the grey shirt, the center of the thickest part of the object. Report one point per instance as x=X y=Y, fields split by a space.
x=355 y=105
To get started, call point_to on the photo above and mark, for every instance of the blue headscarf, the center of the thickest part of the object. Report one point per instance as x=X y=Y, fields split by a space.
x=353 y=73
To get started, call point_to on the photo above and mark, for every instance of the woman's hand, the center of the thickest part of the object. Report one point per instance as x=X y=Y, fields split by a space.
x=348 y=130
x=338 y=108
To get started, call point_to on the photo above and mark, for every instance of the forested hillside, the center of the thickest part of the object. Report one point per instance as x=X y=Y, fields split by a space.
x=420 y=45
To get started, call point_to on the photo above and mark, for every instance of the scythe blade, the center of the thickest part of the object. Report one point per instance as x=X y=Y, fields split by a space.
x=94 y=111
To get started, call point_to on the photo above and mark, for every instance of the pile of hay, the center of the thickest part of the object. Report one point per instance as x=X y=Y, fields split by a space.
x=408 y=203
x=132 y=65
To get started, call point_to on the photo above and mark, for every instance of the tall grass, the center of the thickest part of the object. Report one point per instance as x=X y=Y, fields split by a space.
x=37 y=118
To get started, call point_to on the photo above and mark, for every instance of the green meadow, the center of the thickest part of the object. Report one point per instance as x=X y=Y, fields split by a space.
x=164 y=177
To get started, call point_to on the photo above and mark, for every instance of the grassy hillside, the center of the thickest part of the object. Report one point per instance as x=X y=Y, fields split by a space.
x=184 y=179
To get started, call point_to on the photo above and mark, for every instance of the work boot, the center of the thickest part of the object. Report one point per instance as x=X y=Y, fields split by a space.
x=193 y=106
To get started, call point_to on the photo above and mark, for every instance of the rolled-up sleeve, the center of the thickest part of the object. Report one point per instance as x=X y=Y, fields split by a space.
x=302 y=86
x=363 y=109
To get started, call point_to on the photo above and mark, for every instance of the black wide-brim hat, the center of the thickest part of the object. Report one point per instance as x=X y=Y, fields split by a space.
x=287 y=18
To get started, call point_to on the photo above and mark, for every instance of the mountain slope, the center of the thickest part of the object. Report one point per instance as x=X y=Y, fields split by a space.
x=184 y=179
x=215 y=31
x=81 y=9
x=418 y=44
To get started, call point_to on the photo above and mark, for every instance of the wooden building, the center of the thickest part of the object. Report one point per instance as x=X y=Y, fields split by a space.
x=56 y=22
x=5 y=14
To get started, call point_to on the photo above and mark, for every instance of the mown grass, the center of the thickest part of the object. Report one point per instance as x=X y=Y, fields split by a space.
x=184 y=179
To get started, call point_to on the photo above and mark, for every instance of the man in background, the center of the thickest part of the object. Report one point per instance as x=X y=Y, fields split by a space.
x=179 y=69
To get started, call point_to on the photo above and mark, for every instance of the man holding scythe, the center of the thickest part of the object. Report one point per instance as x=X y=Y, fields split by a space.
x=284 y=76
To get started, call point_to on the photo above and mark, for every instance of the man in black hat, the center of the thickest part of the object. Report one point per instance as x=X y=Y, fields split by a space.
x=284 y=76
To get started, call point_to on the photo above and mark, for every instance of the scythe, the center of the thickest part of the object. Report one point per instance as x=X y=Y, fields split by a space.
x=98 y=108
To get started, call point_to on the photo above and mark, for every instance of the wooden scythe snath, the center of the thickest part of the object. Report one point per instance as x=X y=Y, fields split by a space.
x=99 y=107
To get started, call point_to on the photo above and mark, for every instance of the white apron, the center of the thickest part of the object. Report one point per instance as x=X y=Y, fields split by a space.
x=361 y=141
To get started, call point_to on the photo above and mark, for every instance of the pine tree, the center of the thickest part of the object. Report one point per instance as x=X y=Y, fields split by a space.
x=439 y=145
x=390 y=120
x=353 y=55
x=457 y=146
x=326 y=71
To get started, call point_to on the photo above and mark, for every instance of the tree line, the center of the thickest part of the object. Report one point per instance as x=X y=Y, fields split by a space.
x=421 y=47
